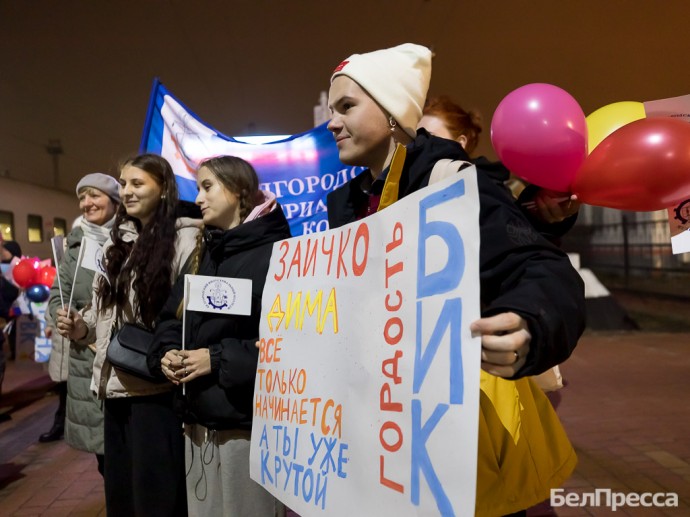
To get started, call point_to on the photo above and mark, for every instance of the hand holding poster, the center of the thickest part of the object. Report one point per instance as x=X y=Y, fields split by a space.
x=367 y=388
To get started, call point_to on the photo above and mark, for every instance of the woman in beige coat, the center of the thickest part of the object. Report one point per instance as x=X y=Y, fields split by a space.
x=144 y=447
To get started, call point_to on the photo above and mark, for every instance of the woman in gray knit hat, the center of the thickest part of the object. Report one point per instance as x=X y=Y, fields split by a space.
x=79 y=415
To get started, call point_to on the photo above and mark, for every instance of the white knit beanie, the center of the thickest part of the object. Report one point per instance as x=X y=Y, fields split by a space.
x=397 y=78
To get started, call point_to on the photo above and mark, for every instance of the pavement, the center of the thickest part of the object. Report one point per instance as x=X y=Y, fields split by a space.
x=626 y=411
x=625 y=408
x=46 y=479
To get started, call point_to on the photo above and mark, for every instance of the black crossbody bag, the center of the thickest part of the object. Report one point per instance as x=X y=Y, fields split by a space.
x=129 y=346
x=128 y=350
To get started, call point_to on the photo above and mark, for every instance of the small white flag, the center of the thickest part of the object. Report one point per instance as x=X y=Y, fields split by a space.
x=58 y=244
x=92 y=256
x=219 y=294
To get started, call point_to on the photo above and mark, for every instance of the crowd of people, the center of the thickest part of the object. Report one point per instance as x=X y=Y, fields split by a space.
x=177 y=442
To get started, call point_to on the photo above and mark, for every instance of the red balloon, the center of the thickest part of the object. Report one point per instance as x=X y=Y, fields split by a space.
x=643 y=166
x=24 y=273
x=46 y=275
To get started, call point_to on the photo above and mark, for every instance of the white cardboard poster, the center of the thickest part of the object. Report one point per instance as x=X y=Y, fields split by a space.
x=367 y=390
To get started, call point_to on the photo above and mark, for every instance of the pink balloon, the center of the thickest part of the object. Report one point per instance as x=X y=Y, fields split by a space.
x=539 y=131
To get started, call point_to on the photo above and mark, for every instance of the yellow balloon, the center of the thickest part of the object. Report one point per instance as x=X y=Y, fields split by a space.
x=606 y=120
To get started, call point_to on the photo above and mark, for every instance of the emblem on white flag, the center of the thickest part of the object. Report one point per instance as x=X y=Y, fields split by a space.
x=219 y=294
x=92 y=256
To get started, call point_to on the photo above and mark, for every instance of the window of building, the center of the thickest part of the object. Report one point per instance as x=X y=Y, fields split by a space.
x=35 y=225
x=59 y=226
x=7 y=225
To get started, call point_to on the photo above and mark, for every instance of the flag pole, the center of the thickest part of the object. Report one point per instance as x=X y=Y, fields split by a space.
x=80 y=258
x=185 y=300
x=53 y=244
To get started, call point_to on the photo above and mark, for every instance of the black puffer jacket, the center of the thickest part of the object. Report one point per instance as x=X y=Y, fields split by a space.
x=223 y=399
x=520 y=271
x=500 y=174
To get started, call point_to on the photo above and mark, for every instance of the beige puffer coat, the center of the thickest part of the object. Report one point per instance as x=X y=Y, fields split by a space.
x=108 y=382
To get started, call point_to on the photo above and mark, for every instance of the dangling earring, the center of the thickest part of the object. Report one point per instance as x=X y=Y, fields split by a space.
x=163 y=196
x=393 y=124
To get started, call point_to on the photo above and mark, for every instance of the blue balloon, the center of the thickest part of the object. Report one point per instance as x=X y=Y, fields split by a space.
x=38 y=293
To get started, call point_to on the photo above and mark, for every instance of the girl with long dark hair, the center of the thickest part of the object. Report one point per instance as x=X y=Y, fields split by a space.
x=147 y=249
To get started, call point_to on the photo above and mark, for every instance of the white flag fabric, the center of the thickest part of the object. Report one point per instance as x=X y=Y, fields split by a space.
x=219 y=294
x=58 y=245
x=92 y=256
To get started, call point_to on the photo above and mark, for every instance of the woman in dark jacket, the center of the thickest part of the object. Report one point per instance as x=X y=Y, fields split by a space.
x=218 y=364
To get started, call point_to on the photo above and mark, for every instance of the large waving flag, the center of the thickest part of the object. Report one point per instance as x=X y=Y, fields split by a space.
x=299 y=170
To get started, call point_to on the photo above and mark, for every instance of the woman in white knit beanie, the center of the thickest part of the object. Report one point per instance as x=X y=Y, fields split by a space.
x=532 y=298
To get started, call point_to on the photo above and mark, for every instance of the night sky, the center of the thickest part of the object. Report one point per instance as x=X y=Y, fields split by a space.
x=80 y=72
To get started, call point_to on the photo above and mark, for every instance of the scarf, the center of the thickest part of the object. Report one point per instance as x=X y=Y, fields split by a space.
x=97 y=232
x=266 y=205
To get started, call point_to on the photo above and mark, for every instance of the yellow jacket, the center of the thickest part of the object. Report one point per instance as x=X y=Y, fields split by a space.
x=523 y=451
